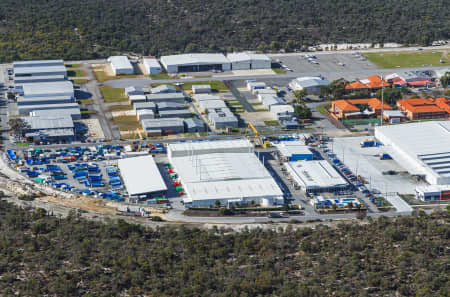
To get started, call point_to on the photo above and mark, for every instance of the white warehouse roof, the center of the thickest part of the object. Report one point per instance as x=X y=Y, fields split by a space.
x=315 y=174
x=421 y=148
x=194 y=59
x=60 y=88
x=120 y=62
x=141 y=175
x=226 y=169
x=34 y=63
x=239 y=57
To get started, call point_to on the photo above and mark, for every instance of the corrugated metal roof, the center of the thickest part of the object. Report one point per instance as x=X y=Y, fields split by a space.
x=46 y=88
x=244 y=57
x=57 y=112
x=40 y=69
x=194 y=59
x=141 y=175
x=316 y=174
x=50 y=122
x=37 y=63
x=120 y=62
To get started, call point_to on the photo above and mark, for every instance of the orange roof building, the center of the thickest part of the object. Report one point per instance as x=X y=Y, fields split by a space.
x=417 y=109
x=372 y=82
x=344 y=109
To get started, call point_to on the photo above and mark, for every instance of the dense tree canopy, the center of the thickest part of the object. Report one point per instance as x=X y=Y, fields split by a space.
x=41 y=255
x=90 y=28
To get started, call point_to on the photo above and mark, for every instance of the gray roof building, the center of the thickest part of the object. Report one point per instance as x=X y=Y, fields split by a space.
x=20 y=80
x=132 y=91
x=74 y=113
x=178 y=113
x=44 y=100
x=171 y=97
x=201 y=89
x=163 y=89
x=168 y=125
x=26 y=109
x=145 y=114
x=121 y=65
x=40 y=71
x=195 y=62
x=38 y=63
x=145 y=105
x=152 y=65
x=48 y=89
x=222 y=118
x=169 y=106
x=194 y=125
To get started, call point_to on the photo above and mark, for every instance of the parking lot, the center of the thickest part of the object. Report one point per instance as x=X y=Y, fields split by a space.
x=332 y=64
x=88 y=171
x=385 y=176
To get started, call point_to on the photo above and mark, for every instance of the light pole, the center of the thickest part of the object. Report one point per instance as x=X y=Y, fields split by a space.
x=382 y=100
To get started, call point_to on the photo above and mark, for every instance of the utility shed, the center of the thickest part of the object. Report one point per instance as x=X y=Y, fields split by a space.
x=316 y=176
x=74 y=113
x=201 y=89
x=194 y=125
x=152 y=65
x=145 y=105
x=172 y=97
x=48 y=89
x=121 y=65
x=142 y=177
x=163 y=89
x=26 y=109
x=253 y=86
x=247 y=61
x=44 y=100
x=178 y=113
x=270 y=100
x=195 y=63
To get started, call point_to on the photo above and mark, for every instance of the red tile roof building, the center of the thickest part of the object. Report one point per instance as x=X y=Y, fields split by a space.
x=344 y=109
x=417 y=109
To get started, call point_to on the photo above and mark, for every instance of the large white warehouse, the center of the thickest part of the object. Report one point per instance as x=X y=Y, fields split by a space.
x=227 y=171
x=421 y=148
x=142 y=177
x=48 y=89
x=245 y=61
x=316 y=176
x=195 y=63
x=121 y=65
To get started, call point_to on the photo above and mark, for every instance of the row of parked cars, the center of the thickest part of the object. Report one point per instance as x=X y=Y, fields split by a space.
x=353 y=179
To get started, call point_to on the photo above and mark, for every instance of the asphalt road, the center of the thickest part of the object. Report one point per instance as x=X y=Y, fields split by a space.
x=122 y=83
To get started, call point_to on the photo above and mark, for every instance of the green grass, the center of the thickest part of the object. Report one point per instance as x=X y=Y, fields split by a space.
x=76 y=73
x=271 y=123
x=406 y=59
x=121 y=107
x=161 y=76
x=86 y=101
x=278 y=70
x=216 y=86
x=23 y=144
x=73 y=65
x=127 y=123
x=80 y=81
x=101 y=76
x=113 y=94
x=323 y=109
x=202 y=134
